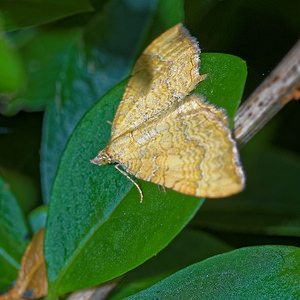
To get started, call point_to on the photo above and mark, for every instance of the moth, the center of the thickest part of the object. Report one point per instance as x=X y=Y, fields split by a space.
x=161 y=133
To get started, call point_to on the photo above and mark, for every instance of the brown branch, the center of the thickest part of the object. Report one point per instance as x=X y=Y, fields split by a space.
x=99 y=292
x=280 y=87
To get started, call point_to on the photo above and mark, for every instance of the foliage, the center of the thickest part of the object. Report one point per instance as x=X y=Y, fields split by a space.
x=69 y=63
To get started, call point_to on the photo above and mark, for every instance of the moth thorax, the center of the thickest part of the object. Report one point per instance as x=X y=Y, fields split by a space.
x=102 y=158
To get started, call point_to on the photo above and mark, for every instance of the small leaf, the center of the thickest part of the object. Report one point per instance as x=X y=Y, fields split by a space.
x=11 y=68
x=167 y=14
x=95 y=224
x=13 y=236
x=267 y=272
x=37 y=218
x=44 y=57
x=23 y=187
x=18 y=14
x=32 y=279
x=224 y=84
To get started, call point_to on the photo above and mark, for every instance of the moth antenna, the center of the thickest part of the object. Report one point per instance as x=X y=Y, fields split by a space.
x=126 y=175
x=109 y=122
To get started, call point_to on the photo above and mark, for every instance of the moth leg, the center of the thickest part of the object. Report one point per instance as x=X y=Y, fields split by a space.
x=161 y=188
x=126 y=175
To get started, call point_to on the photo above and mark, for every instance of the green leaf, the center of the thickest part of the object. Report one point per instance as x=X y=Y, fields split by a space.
x=167 y=14
x=44 y=57
x=37 y=218
x=23 y=187
x=188 y=247
x=267 y=272
x=269 y=204
x=13 y=236
x=224 y=84
x=18 y=14
x=96 y=225
x=99 y=212
x=11 y=69
x=100 y=60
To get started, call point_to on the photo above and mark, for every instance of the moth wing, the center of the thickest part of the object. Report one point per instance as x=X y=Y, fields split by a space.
x=188 y=149
x=167 y=71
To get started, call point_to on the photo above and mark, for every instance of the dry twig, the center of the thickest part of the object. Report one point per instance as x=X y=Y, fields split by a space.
x=280 y=87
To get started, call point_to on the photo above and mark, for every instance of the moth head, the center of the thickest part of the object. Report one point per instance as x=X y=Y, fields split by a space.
x=101 y=159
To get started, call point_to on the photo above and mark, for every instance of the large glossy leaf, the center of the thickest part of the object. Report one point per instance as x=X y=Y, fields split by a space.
x=13 y=236
x=17 y=14
x=267 y=272
x=99 y=213
x=102 y=57
x=188 y=247
x=96 y=228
